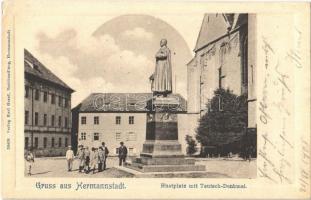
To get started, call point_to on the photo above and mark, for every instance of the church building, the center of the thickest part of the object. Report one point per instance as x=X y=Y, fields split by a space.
x=224 y=58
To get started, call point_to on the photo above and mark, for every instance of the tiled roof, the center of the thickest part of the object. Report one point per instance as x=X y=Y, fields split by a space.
x=34 y=67
x=215 y=26
x=123 y=102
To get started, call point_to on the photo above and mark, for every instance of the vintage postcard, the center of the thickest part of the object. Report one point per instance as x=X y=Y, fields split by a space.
x=155 y=100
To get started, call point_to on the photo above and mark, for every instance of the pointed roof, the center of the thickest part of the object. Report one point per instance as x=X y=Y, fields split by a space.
x=213 y=26
x=35 y=68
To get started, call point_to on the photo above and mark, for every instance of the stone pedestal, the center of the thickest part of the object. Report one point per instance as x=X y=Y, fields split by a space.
x=161 y=150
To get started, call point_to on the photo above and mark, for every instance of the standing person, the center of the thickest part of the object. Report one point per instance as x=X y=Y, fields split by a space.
x=87 y=160
x=30 y=159
x=106 y=151
x=81 y=157
x=122 y=154
x=101 y=158
x=69 y=157
x=93 y=159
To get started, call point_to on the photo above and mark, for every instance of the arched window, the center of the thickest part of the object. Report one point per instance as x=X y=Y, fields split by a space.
x=244 y=65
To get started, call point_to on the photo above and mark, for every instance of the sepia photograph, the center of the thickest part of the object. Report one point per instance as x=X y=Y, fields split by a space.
x=135 y=99
x=156 y=99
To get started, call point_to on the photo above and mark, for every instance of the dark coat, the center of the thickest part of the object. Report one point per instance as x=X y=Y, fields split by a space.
x=122 y=151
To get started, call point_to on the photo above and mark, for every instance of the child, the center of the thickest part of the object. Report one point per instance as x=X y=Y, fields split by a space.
x=30 y=159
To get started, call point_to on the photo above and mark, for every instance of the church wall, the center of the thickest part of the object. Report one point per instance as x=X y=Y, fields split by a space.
x=252 y=71
x=193 y=89
x=209 y=62
x=187 y=125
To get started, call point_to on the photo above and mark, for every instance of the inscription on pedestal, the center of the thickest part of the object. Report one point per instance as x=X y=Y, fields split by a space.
x=162 y=126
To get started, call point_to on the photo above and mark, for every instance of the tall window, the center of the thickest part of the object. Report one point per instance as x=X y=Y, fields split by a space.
x=26 y=91
x=26 y=116
x=36 y=118
x=60 y=121
x=45 y=142
x=66 y=103
x=118 y=120
x=26 y=142
x=244 y=70
x=45 y=96
x=83 y=136
x=45 y=119
x=37 y=94
x=53 y=142
x=59 y=142
x=66 y=122
x=36 y=142
x=131 y=119
x=118 y=136
x=131 y=150
x=52 y=120
x=83 y=120
x=96 y=136
x=222 y=53
x=66 y=142
x=96 y=120
x=60 y=101
x=52 y=98
x=222 y=56
x=131 y=136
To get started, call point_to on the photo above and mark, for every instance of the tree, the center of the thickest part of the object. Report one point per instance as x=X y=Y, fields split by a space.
x=192 y=145
x=225 y=122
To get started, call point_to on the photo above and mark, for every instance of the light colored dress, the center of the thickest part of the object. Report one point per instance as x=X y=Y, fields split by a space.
x=94 y=159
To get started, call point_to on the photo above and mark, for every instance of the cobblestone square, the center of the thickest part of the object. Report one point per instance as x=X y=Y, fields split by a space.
x=215 y=168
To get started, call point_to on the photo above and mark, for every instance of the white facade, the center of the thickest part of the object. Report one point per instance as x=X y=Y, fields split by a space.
x=112 y=133
x=92 y=133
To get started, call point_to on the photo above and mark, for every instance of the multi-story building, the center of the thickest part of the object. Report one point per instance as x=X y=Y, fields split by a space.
x=47 y=109
x=224 y=58
x=116 y=117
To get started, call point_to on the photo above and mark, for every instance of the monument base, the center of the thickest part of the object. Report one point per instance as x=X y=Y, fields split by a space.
x=161 y=150
x=163 y=156
x=167 y=165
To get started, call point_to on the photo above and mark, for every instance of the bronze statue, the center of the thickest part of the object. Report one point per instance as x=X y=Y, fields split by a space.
x=161 y=79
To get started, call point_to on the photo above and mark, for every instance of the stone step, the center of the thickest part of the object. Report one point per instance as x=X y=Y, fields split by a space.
x=165 y=168
x=164 y=161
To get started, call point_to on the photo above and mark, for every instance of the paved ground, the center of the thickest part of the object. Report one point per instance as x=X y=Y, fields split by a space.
x=216 y=168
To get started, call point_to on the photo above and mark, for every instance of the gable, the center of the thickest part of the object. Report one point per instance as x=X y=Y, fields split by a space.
x=213 y=26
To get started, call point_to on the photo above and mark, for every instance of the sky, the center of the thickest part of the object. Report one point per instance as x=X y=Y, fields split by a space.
x=111 y=53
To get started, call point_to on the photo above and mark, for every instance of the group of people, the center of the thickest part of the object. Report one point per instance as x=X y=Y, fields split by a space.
x=90 y=160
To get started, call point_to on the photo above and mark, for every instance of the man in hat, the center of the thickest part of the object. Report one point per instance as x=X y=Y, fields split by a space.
x=106 y=152
x=81 y=157
x=69 y=157
x=122 y=153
